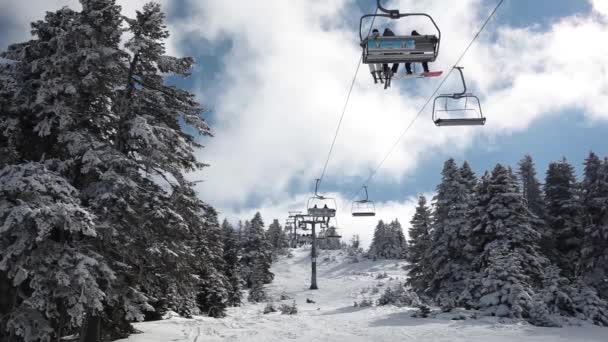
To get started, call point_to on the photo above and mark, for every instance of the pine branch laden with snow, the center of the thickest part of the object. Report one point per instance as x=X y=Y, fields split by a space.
x=47 y=240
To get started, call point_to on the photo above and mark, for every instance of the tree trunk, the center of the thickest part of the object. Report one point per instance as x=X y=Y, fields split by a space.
x=91 y=331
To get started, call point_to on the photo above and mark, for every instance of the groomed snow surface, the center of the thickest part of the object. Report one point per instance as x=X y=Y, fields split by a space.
x=332 y=317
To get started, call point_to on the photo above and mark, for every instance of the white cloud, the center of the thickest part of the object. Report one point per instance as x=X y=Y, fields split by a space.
x=291 y=62
x=600 y=6
x=287 y=74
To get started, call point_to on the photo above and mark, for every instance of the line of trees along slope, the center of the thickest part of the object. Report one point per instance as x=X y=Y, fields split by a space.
x=509 y=247
x=99 y=225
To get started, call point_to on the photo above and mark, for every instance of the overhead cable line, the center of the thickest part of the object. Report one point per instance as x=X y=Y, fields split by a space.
x=350 y=90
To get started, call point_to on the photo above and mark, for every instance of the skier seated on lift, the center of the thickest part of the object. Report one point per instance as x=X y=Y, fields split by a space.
x=388 y=74
x=374 y=69
x=408 y=66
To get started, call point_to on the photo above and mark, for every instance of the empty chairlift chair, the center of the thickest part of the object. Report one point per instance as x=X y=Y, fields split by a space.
x=321 y=206
x=363 y=207
x=456 y=113
x=399 y=49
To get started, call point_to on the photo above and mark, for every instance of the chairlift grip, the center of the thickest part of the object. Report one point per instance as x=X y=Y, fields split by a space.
x=392 y=13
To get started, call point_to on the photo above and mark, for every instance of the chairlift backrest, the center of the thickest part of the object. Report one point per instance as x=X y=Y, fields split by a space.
x=402 y=48
x=363 y=207
x=321 y=206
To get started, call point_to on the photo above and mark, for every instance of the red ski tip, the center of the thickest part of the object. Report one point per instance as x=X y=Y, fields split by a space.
x=432 y=73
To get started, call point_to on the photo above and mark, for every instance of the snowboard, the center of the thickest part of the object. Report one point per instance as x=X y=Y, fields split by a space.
x=417 y=75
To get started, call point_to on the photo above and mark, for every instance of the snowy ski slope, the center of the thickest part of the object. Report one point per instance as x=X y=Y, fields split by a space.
x=334 y=318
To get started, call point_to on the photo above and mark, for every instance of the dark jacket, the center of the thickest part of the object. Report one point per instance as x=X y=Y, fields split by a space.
x=388 y=32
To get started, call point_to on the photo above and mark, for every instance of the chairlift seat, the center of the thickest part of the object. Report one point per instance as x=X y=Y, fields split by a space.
x=364 y=214
x=363 y=207
x=322 y=212
x=401 y=49
x=460 y=122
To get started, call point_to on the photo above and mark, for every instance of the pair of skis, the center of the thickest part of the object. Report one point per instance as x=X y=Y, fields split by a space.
x=406 y=76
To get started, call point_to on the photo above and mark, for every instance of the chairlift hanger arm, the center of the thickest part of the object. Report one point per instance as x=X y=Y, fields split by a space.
x=394 y=13
x=464 y=84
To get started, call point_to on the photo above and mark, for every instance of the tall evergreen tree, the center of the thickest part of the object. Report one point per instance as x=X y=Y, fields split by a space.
x=94 y=127
x=530 y=187
x=398 y=246
x=447 y=260
x=509 y=265
x=232 y=255
x=419 y=247
x=468 y=177
x=257 y=251
x=212 y=294
x=277 y=237
x=534 y=200
x=564 y=217
x=378 y=244
x=595 y=199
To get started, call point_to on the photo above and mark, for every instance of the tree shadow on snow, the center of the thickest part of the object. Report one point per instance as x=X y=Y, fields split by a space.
x=405 y=319
x=400 y=319
x=344 y=310
x=361 y=267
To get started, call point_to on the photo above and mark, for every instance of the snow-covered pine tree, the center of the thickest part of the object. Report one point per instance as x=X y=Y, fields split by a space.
x=564 y=214
x=212 y=294
x=534 y=200
x=257 y=250
x=48 y=260
x=232 y=255
x=419 y=247
x=377 y=246
x=530 y=187
x=595 y=243
x=469 y=179
x=82 y=112
x=277 y=237
x=55 y=92
x=509 y=266
x=397 y=248
x=449 y=241
x=258 y=279
x=353 y=248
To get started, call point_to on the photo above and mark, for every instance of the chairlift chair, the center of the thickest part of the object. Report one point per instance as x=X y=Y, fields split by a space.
x=321 y=206
x=477 y=120
x=363 y=207
x=402 y=48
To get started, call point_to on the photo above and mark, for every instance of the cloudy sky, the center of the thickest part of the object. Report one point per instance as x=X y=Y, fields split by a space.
x=275 y=75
